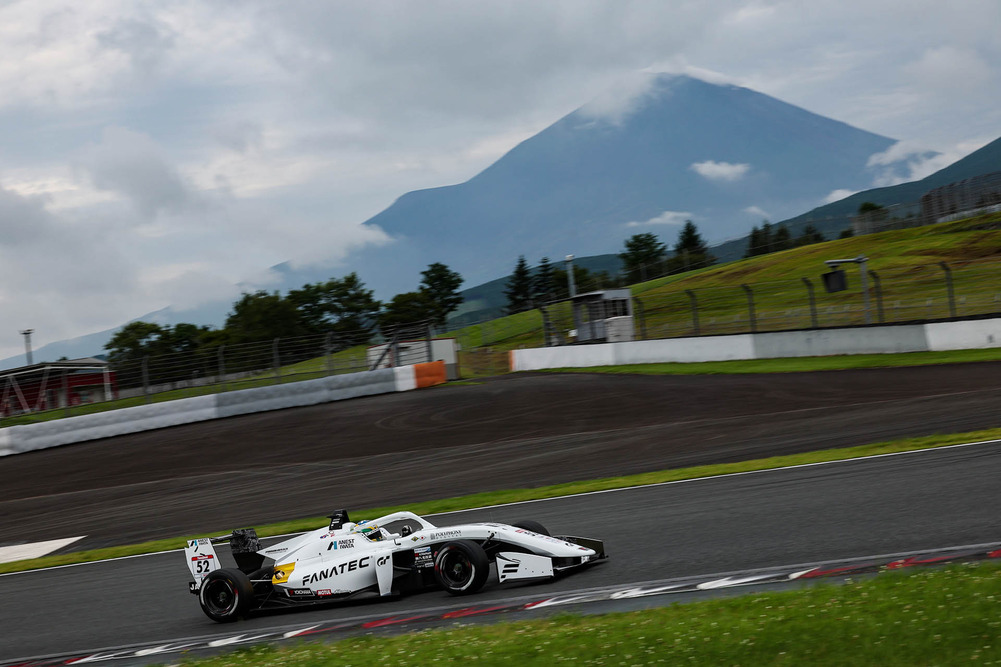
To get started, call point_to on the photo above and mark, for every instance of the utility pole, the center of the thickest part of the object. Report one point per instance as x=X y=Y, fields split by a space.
x=27 y=344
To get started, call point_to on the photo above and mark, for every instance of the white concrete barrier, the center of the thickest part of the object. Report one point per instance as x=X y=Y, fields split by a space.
x=5 y=444
x=887 y=339
x=17 y=439
x=971 y=335
x=111 y=423
x=271 y=397
x=569 y=356
x=825 y=342
x=368 y=383
x=708 y=348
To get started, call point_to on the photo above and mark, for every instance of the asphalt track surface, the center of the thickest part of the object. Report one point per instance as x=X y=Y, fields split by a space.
x=513 y=431
x=911 y=502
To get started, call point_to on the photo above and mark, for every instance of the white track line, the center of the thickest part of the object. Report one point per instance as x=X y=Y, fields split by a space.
x=577 y=495
x=34 y=549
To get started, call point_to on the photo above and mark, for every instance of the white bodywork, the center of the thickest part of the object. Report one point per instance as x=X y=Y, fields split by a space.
x=332 y=563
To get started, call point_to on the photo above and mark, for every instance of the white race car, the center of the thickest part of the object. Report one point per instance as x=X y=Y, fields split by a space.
x=394 y=554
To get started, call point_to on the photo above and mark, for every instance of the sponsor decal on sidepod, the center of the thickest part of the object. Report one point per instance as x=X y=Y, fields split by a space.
x=335 y=570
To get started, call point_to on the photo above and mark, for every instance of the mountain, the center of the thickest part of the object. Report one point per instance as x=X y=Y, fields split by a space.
x=721 y=155
x=831 y=218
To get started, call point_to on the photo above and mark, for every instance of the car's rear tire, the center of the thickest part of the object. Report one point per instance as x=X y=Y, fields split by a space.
x=533 y=526
x=226 y=595
x=461 y=567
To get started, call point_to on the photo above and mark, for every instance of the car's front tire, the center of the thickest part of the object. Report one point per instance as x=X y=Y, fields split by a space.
x=461 y=567
x=226 y=595
x=533 y=526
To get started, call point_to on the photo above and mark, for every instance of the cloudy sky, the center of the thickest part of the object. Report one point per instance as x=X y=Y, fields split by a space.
x=157 y=153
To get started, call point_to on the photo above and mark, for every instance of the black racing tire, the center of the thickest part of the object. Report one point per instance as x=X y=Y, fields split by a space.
x=226 y=595
x=461 y=567
x=533 y=526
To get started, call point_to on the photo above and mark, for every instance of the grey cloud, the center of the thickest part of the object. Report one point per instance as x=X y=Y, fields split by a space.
x=23 y=221
x=239 y=136
x=146 y=42
x=131 y=164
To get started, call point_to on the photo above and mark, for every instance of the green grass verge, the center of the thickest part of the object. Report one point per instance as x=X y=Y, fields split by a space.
x=930 y=617
x=796 y=364
x=516 y=495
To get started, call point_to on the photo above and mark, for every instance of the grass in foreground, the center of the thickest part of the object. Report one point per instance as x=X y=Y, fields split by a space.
x=517 y=495
x=942 y=616
x=797 y=364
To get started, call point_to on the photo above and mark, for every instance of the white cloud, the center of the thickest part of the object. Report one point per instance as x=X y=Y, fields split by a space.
x=720 y=171
x=757 y=212
x=905 y=161
x=665 y=218
x=618 y=101
x=838 y=195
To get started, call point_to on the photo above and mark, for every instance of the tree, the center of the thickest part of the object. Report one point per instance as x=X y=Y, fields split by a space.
x=441 y=286
x=136 y=340
x=407 y=308
x=809 y=236
x=583 y=279
x=846 y=233
x=691 y=251
x=643 y=258
x=262 y=316
x=342 y=306
x=518 y=288
x=782 y=240
x=754 y=243
x=544 y=280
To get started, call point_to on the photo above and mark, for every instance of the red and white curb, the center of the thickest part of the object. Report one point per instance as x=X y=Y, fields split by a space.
x=649 y=589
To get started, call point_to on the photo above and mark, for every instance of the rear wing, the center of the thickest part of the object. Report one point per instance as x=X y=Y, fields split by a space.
x=202 y=559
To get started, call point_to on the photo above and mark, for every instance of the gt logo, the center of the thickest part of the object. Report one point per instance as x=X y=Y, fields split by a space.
x=382 y=561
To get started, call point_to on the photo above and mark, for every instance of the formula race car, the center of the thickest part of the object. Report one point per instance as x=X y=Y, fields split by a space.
x=395 y=554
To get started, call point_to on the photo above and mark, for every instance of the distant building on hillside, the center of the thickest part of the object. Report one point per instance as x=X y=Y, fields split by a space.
x=56 y=384
x=962 y=199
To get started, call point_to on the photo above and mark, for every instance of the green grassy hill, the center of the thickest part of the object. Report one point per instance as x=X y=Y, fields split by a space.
x=906 y=263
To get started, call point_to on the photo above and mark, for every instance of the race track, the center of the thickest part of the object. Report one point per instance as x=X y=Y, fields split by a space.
x=513 y=431
x=913 y=502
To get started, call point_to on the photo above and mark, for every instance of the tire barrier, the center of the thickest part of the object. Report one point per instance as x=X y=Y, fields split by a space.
x=19 y=439
x=936 y=336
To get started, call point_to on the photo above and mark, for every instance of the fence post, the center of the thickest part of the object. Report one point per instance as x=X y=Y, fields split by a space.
x=145 y=370
x=813 y=303
x=328 y=352
x=695 y=310
x=949 y=288
x=277 y=360
x=878 y=289
x=750 y=306
x=222 y=367
x=66 y=391
x=639 y=304
x=429 y=335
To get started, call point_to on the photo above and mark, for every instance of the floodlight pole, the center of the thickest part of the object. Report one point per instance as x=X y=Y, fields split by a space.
x=570 y=282
x=861 y=261
x=27 y=344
